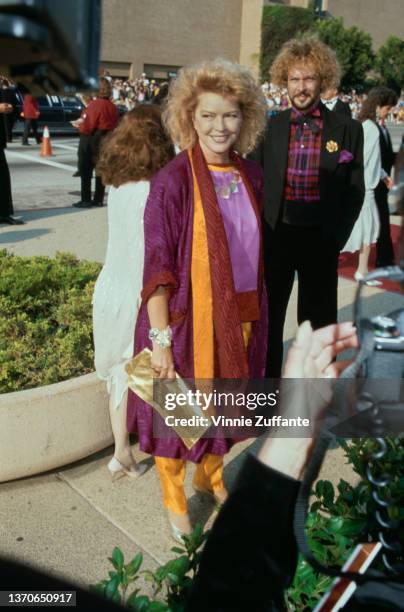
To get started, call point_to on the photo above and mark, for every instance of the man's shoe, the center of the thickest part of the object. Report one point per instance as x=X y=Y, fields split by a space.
x=82 y=205
x=77 y=173
x=99 y=204
x=11 y=221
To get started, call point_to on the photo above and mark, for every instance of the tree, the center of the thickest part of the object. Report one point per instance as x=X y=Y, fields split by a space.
x=279 y=24
x=352 y=46
x=390 y=63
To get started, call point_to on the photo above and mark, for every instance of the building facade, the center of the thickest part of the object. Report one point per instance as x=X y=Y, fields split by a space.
x=159 y=36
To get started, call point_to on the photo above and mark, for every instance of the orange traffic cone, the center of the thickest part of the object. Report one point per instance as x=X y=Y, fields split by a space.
x=46 y=147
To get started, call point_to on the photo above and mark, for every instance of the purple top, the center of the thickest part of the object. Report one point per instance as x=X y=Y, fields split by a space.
x=240 y=224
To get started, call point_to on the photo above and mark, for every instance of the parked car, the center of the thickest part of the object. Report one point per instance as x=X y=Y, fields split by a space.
x=56 y=112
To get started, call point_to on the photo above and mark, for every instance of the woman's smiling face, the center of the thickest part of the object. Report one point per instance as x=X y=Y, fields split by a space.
x=217 y=121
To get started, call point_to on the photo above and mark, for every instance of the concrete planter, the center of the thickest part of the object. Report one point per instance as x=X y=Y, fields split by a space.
x=47 y=427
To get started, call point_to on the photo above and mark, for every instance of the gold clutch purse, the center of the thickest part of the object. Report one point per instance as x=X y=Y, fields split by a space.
x=141 y=377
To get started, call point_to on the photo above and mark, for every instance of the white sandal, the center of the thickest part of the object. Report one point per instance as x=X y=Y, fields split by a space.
x=117 y=470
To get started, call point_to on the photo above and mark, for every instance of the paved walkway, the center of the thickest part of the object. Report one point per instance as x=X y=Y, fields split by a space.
x=68 y=521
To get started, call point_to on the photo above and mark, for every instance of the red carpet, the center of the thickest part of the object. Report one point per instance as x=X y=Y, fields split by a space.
x=348 y=261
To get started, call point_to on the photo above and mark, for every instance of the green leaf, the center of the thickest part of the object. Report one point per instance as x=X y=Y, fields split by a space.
x=160 y=573
x=112 y=587
x=178 y=550
x=158 y=606
x=173 y=579
x=133 y=567
x=179 y=566
x=335 y=523
x=315 y=506
x=139 y=603
x=328 y=492
x=117 y=558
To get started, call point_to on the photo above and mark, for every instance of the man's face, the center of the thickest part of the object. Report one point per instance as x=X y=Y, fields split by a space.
x=303 y=86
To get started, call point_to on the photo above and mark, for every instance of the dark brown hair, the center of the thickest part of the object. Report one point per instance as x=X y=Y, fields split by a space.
x=136 y=149
x=378 y=96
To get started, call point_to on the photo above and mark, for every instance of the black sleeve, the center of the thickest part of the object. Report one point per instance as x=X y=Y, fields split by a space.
x=251 y=555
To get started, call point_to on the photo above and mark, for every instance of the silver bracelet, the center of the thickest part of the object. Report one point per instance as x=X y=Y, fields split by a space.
x=162 y=337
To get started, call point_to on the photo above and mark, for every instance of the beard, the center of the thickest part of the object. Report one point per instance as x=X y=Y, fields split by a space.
x=308 y=101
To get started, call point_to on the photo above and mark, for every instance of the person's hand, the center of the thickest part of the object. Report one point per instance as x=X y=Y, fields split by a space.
x=162 y=361
x=388 y=181
x=311 y=356
x=312 y=353
x=6 y=108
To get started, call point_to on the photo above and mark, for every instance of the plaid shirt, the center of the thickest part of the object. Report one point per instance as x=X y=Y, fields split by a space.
x=302 y=175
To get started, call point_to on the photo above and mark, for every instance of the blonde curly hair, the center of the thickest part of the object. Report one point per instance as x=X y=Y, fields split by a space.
x=222 y=77
x=306 y=49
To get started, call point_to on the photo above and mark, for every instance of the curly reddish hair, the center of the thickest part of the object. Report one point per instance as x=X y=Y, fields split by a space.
x=307 y=48
x=136 y=149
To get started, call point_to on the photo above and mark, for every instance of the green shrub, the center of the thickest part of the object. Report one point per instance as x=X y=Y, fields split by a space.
x=45 y=319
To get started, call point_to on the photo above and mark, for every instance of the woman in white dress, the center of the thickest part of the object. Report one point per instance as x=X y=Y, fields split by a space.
x=130 y=156
x=367 y=226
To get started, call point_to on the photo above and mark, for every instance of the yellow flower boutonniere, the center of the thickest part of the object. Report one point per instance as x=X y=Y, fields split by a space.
x=331 y=146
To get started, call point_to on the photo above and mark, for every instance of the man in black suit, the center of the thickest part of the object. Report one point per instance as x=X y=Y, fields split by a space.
x=385 y=99
x=333 y=102
x=313 y=191
x=6 y=202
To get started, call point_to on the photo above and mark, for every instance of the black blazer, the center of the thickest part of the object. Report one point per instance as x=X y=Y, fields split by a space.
x=343 y=108
x=386 y=150
x=342 y=187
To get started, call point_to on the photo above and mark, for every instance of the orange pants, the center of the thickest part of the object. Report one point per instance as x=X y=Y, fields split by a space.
x=208 y=475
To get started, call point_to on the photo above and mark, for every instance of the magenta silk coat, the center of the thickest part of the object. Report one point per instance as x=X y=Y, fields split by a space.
x=168 y=225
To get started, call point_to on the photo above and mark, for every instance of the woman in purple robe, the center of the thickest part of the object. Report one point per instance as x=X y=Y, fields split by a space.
x=204 y=311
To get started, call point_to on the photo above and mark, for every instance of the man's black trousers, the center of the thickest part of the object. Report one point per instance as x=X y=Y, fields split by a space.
x=306 y=251
x=30 y=125
x=384 y=246
x=6 y=201
x=87 y=159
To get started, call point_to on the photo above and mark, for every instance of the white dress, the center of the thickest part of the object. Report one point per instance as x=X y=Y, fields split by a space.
x=367 y=226
x=116 y=298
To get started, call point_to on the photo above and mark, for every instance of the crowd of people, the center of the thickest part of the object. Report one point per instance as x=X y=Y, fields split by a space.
x=130 y=92
x=277 y=99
